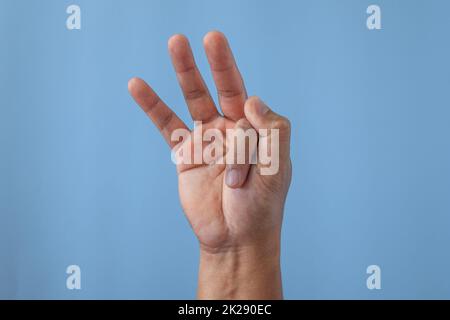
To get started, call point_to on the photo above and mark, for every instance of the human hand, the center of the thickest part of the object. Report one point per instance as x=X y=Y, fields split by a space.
x=234 y=210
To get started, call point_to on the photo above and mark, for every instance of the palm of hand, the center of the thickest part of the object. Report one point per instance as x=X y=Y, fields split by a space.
x=219 y=215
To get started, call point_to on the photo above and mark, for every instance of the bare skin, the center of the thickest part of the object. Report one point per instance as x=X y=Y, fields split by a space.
x=235 y=212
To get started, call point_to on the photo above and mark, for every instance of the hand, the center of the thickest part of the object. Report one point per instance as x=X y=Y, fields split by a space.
x=235 y=212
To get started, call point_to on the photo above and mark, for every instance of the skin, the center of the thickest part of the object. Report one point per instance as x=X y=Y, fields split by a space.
x=235 y=212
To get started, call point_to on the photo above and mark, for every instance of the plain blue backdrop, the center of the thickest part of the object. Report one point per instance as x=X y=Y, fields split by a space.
x=86 y=179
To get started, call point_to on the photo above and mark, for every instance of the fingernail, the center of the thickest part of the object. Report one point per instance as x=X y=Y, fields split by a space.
x=232 y=178
x=261 y=107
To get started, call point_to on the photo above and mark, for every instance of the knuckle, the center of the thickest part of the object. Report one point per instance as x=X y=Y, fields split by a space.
x=194 y=94
x=229 y=92
x=281 y=123
x=165 y=120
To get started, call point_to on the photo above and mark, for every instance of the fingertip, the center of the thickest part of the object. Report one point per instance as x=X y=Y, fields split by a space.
x=233 y=178
x=176 y=42
x=213 y=35
x=214 y=39
x=133 y=83
x=138 y=88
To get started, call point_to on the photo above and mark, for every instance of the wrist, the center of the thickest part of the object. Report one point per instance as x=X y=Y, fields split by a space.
x=245 y=272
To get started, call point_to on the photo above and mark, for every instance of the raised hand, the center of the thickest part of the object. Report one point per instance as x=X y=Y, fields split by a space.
x=234 y=210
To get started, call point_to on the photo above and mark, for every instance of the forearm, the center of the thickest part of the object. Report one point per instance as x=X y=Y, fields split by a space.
x=245 y=273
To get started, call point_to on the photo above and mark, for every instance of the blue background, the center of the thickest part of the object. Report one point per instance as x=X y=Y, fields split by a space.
x=86 y=179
